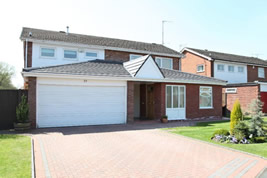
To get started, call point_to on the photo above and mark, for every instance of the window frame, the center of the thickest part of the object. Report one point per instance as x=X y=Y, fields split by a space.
x=202 y=66
x=228 y=90
x=160 y=58
x=178 y=97
x=209 y=107
x=89 y=51
x=71 y=59
x=233 y=68
x=218 y=67
x=47 y=57
x=262 y=71
x=131 y=55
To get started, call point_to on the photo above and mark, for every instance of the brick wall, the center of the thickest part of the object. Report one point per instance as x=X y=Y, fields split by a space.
x=245 y=94
x=29 y=54
x=32 y=100
x=159 y=99
x=192 y=102
x=130 y=101
x=191 y=61
x=142 y=100
x=122 y=56
x=253 y=74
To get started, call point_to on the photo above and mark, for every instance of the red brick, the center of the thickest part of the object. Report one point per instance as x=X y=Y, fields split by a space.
x=32 y=100
x=29 y=54
x=130 y=101
x=253 y=74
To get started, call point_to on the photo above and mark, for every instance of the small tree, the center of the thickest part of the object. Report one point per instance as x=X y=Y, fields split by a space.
x=236 y=116
x=6 y=73
x=22 y=111
x=256 y=123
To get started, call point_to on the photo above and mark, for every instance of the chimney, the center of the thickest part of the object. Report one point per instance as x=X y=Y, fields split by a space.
x=67 y=30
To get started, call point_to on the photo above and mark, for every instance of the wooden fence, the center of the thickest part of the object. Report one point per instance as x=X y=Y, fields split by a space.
x=9 y=100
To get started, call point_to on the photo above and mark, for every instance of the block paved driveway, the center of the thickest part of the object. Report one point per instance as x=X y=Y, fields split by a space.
x=116 y=151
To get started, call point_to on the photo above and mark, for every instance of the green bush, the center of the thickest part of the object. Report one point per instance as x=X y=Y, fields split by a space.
x=236 y=116
x=241 y=127
x=221 y=132
x=259 y=139
x=22 y=111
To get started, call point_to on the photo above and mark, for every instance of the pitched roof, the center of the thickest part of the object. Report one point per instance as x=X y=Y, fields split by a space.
x=47 y=35
x=116 y=69
x=230 y=57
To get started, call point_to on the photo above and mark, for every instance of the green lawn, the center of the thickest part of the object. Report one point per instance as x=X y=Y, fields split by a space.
x=15 y=156
x=203 y=131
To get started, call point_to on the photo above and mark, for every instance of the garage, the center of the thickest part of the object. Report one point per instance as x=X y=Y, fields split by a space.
x=76 y=105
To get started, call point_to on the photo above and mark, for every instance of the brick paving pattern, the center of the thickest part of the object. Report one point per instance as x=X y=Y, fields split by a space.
x=136 y=153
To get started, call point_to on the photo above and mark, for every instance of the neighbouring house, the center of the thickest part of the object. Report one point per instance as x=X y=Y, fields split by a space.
x=246 y=76
x=117 y=82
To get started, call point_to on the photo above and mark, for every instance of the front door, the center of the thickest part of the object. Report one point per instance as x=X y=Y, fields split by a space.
x=150 y=102
x=175 y=102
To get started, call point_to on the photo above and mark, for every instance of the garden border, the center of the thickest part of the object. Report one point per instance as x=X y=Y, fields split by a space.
x=33 y=162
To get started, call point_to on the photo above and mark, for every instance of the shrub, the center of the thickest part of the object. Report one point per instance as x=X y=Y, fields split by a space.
x=259 y=139
x=236 y=115
x=256 y=124
x=239 y=135
x=221 y=132
x=241 y=127
x=22 y=110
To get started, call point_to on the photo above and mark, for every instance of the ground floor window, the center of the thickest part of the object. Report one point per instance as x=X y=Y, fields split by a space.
x=175 y=96
x=205 y=97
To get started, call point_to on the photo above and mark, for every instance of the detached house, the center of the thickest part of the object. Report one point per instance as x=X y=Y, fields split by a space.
x=75 y=80
x=246 y=76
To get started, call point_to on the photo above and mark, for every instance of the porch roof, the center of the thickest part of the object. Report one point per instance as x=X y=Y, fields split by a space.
x=111 y=69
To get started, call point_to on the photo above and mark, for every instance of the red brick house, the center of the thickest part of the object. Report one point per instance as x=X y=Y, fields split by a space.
x=246 y=76
x=69 y=86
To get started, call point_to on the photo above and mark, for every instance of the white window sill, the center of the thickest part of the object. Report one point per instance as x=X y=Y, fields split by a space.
x=207 y=108
x=201 y=71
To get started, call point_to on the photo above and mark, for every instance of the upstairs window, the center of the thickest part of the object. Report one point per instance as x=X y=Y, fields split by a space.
x=220 y=67
x=134 y=56
x=240 y=69
x=164 y=62
x=70 y=54
x=48 y=52
x=231 y=69
x=205 y=97
x=200 y=68
x=261 y=72
x=90 y=54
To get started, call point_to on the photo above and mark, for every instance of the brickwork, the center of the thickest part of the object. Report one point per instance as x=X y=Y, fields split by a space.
x=142 y=100
x=159 y=99
x=32 y=100
x=191 y=61
x=130 y=101
x=253 y=74
x=122 y=56
x=245 y=94
x=29 y=54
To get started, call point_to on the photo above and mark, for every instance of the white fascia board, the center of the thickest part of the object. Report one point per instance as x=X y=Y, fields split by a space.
x=50 y=75
x=101 y=47
x=196 y=53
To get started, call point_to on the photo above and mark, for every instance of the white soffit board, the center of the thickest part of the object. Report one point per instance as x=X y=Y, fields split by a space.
x=149 y=70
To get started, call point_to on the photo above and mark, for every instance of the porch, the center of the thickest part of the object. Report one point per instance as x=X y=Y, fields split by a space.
x=152 y=100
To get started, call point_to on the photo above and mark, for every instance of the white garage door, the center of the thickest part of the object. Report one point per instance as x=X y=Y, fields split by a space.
x=80 y=105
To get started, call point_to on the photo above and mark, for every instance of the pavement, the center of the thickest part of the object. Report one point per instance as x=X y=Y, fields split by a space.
x=140 y=150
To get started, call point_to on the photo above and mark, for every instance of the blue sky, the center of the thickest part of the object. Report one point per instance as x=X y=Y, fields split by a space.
x=232 y=26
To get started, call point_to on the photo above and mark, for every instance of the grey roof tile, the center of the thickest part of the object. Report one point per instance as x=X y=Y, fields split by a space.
x=230 y=57
x=48 y=35
x=115 y=69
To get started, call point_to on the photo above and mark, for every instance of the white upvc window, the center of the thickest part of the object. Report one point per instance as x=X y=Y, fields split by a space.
x=91 y=54
x=231 y=68
x=205 y=97
x=230 y=90
x=220 y=67
x=134 y=56
x=70 y=54
x=200 y=68
x=261 y=73
x=47 y=52
x=163 y=62
x=175 y=96
x=240 y=69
